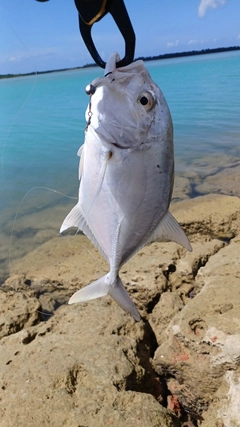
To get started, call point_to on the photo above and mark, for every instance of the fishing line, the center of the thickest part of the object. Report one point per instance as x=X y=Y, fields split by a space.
x=5 y=143
x=19 y=209
x=24 y=102
x=3 y=154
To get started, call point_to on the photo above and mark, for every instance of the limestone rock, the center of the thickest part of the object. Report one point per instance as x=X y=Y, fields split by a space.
x=212 y=215
x=18 y=311
x=202 y=342
x=170 y=303
x=79 y=368
x=92 y=365
x=225 y=407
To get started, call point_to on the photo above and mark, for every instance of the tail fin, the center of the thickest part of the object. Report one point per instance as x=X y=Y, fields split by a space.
x=121 y=297
x=104 y=286
x=97 y=289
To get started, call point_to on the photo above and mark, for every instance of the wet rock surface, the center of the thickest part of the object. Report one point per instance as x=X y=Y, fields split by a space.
x=225 y=181
x=92 y=365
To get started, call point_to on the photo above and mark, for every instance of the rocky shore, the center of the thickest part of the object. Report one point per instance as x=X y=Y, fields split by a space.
x=91 y=365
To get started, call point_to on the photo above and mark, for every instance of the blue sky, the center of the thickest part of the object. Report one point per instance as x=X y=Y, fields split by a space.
x=42 y=36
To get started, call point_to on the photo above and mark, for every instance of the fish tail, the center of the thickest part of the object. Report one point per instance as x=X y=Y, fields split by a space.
x=104 y=286
x=121 y=297
x=97 y=289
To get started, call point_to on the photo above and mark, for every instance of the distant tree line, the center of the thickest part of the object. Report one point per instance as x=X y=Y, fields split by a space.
x=189 y=53
x=144 y=58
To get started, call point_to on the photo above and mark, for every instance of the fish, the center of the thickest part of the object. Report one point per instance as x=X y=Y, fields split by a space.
x=126 y=174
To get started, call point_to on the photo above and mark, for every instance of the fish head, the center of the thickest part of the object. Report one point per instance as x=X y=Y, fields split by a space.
x=127 y=109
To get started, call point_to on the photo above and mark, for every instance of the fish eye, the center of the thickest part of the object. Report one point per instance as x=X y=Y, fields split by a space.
x=147 y=100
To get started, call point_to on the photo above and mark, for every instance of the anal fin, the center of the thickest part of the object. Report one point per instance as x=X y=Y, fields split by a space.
x=169 y=230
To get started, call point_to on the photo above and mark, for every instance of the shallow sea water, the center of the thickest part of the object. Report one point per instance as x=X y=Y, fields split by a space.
x=42 y=121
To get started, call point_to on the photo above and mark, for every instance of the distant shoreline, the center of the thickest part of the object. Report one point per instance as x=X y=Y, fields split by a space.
x=144 y=58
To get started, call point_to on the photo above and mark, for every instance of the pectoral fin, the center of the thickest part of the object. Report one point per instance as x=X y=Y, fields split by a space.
x=169 y=230
x=75 y=218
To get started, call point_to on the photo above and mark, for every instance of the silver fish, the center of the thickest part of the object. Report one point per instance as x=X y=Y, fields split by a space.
x=126 y=175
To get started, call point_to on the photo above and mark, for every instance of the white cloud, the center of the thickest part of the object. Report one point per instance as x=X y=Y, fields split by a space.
x=173 y=44
x=192 y=42
x=11 y=59
x=209 y=4
x=238 y=37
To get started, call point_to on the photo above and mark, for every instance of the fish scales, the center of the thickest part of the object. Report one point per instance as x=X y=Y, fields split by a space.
x=126 y=175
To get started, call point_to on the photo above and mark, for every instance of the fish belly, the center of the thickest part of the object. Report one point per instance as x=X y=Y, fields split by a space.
x=124 y=202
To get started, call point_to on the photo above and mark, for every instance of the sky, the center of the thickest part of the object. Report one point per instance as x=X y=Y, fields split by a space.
x=38 y=36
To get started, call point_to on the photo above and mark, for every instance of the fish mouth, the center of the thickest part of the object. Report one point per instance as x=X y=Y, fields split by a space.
x=121 y=147
x=108 y=139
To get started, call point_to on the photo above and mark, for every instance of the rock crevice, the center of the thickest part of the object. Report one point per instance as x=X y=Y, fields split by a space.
x=92 y=365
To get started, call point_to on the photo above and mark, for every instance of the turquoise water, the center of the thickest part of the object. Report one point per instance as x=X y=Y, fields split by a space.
x=42 y=121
